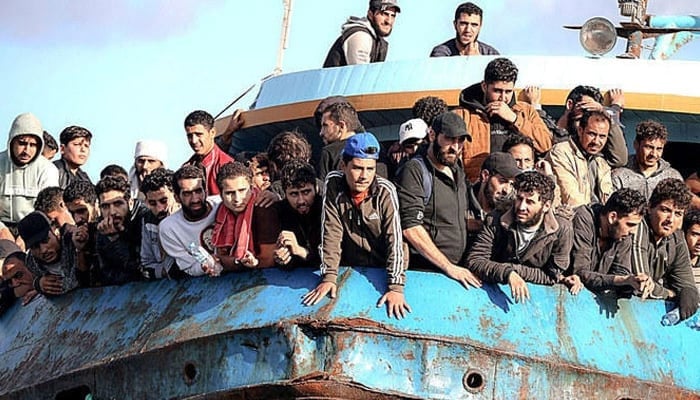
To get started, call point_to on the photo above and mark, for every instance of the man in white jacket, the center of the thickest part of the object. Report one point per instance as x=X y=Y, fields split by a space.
x=23 y=171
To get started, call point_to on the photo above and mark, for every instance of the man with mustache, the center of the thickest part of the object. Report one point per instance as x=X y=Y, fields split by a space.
x=646 y=168
x=434 y=223
x=362 y=39
x=600 y=257
x=193 y=223
x=157 y=188
x=691 y=227
x=583 y=175
x=118 y=242
x=149 y=155
x=56 y=255
x=660 y=253
x=199 y=126
x=75 y=150
x=525 y=243
x=467 y=24
x=23 y=170
x=300 y=217
x=361 y=225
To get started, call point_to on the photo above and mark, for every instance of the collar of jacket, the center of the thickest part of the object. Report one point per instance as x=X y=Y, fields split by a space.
x=549 y=223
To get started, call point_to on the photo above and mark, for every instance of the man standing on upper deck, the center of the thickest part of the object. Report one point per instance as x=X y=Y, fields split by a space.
x=362 y=39
x=201 y=132
x=467 y=23
x=491 y=113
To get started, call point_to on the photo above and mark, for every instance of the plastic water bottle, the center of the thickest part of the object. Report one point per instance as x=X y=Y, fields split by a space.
x=205 y=259
x=671 y=318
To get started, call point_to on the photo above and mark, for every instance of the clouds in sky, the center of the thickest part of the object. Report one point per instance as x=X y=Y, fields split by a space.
x=96 y=22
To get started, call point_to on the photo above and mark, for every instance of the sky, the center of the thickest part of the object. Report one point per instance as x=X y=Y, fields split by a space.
x=130 y=70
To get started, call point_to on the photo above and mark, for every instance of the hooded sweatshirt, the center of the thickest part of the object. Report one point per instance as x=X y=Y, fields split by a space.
x=338 y=54
x=489 y=133
x=631 y=177
x=19 y=185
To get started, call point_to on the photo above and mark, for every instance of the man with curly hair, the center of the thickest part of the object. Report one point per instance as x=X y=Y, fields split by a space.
x=691 y=227
x=526 y=243
x=119 y=232
x=600 y=255
x=645 y=169
x=157 y=188
x=660 y=253
x=467 y=24
x=491 y=112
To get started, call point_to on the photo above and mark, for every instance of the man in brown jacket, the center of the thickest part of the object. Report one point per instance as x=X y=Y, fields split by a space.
x=491 y=113
x=527 y=243
x=361 y=225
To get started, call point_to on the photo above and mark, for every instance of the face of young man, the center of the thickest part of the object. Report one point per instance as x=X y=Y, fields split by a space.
x=301 y=198
x=200 y=139
x=665 y=218
x=145 y=165
x=161 y=202
x=594 y=135
x=76 y=152
x=621 y=227
x=48 y=250
x=648 y=152
x=692 y=238
x=113 y=205
x=529 y=208
x=19 y=276
x=261 y=176
x=467 y=28
x=524 y=157
x=331 y=131
x=446 y=149
x=360 y=173
x=498 y=91
x=235 y=193
x=81 y=211
x=24 y=149
x=192 y=198
x=382 y=21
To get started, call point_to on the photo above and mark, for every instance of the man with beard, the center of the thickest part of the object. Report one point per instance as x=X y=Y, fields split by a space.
x=193 y=223
x=338 y=122
x=491 y=113
x=118 y=242
x=75 y=150
x=467 y=24
x=300 y=217
x=660 y=253
x=583 y=175
x=646 y=168
x=23 y=170
x=601 y=252
x=157 y=188
x=199 y=126
x=691 y=227
x=149 y=155
x=433 y=220
x=361 y=225
x=55 y=255
x=526 y=243
x=362 y=39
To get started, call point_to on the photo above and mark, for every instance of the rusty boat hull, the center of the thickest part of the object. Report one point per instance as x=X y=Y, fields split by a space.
x=244 y=336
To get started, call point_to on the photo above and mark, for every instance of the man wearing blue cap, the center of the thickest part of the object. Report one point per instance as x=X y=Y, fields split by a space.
x=361 y=225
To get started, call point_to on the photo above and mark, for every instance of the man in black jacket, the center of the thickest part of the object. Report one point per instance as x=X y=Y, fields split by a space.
x=527 y=243
x=362 y=40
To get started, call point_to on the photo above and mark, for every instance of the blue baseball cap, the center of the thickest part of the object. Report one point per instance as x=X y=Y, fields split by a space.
x=362 y=145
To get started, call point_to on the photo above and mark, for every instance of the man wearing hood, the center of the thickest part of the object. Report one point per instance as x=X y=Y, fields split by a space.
x=23 y=171
x=646 y=168
x=362 y=39
x=491 y=113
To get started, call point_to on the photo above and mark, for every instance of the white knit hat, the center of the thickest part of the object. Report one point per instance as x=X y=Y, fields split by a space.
x=152 y=148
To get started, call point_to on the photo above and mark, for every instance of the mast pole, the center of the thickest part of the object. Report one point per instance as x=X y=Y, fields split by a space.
x=284 y=37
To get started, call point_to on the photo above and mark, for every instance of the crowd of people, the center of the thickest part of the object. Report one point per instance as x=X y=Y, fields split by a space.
x=495 y=190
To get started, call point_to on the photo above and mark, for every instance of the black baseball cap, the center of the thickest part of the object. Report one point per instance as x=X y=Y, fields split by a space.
x=450 y=125
x=34 y=228
x=502 y=164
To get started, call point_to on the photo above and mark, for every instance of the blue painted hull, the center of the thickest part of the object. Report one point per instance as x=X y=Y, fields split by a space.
x=247 y=336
